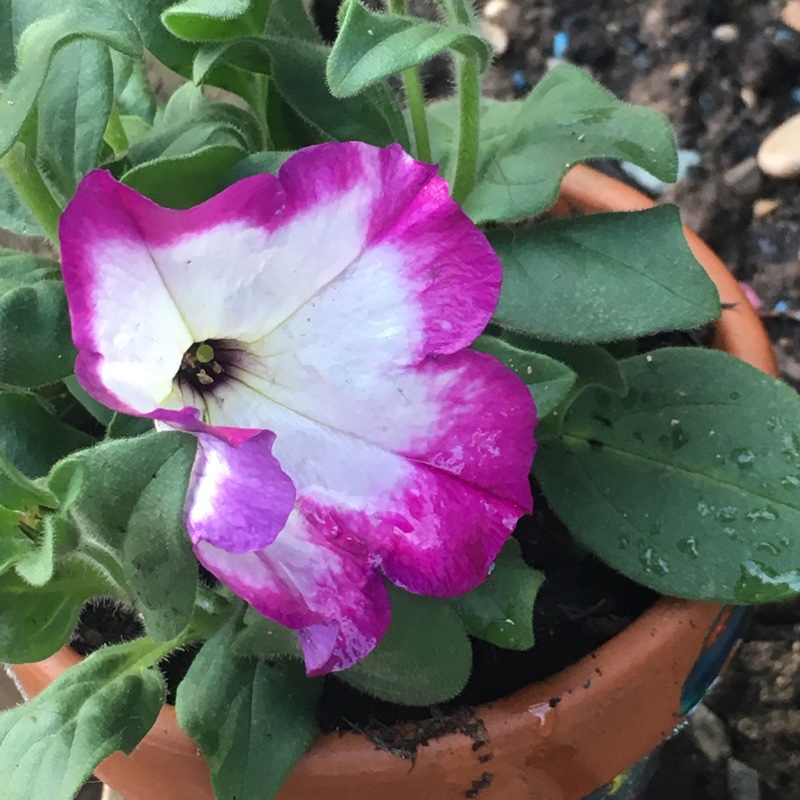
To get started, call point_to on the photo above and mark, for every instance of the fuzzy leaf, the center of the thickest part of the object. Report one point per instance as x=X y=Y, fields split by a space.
x=621 y=276
x=73 y=110
x=209 y=20
x=373 y=45
x=186 y=180
x=33 y=440
x=14 y=214
x=500 y=610
x=425 y=656
x=157 y=554
x=35 y=622
x=50 y=745
x=530 y=145
x=24 y=269
x=689 y=484
x=252 y=719
x=37 y=346
x=103 y=20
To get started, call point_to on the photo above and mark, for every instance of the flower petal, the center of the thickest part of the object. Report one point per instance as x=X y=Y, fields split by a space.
x=137 y=297
x=239 y=498
x=436 y=512
x=309 y=580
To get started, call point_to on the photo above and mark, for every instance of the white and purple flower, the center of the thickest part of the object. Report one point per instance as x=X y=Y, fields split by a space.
x=311 y=330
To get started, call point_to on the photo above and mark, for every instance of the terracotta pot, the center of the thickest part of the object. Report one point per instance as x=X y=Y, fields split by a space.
x=559 y=739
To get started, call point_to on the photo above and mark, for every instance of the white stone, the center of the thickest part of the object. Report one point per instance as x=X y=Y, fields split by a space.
x=496 y=35
x=779 y=154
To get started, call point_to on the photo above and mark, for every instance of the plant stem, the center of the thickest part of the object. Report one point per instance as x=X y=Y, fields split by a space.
x=115 y=133
x=469 y=129
x=416 y=100
x=28 y=183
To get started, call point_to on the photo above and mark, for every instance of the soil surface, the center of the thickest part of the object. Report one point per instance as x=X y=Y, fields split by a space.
x=726 y=74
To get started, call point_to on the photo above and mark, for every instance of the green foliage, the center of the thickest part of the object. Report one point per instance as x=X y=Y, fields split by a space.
x=372 y=46
x=37 y=621
x=252 y=719
x=36 y=344
x=621 y=276
x=208 y=20
x=33 y=440
x=416 y=664
x=73 y=110
x=500 y=610
x=690 y=483
x=157 y=555
x=49 y=747
x=528 y=146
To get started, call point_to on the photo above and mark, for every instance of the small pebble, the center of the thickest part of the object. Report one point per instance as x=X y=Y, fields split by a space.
x=779 y=154
x=791 y=14
x=520 y=82
x=710 y=734
x=744 y=178
x=764 y=206
x=742 y=781
x=680 y=69
x=495 y=8
x=727 y=34
x=796 y=94
x=748 y=95
x=496 y=35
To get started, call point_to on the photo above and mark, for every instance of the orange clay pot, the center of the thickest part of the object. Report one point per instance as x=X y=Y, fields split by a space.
x=615 y=706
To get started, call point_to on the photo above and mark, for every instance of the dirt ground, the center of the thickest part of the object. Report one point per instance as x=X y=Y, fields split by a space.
x=726 y=74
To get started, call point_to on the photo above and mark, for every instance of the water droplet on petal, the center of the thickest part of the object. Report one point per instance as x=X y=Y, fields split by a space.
x=688 y=546
x=742 y=457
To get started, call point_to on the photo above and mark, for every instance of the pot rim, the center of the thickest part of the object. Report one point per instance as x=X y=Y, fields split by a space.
x=558 y=739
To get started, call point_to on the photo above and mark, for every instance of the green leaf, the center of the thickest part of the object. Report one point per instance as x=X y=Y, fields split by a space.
x=37 y=346
x=372 y=45
x=31 y=439
x=620 y=275
x=290 y=19
x=500 y=610
x=14 y=544
x=37 y=567
x=73 y=109
x=36 y=622
x=115 y=475
x=259 y=637
x=14 y=214
x=209 y=20
x=531 y=145
x=252 y=719
x=269 y=161
x=298 y=72
x=549 y=380
x=50 y=745
x=425 y=656
x=15 y=17
x=690 y=484
x=123 y=426
x=187 y=180
x=20 y=493
x=103 y=20
x=24 y=269
x=132 y=92
x=101 y=413
x=158 y=558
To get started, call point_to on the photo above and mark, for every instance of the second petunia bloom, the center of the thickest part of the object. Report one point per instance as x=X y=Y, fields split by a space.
x=311 y=329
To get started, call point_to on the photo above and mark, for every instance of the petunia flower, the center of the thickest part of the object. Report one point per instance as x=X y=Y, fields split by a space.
x=311 y=330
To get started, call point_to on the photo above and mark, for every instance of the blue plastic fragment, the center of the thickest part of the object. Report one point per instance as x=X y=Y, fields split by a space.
x=560 y=44
x=796 y=94
x=781 y=305
x=520 y=82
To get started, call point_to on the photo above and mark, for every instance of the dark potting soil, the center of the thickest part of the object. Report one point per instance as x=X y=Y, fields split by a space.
x=580 y=606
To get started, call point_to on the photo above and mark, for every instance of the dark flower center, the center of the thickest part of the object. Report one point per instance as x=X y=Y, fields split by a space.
x=203 y=365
